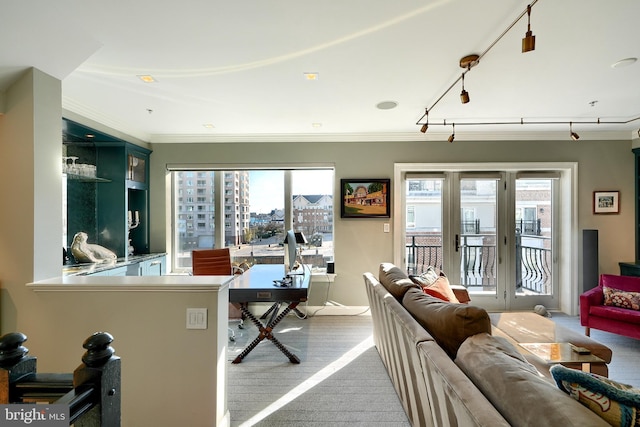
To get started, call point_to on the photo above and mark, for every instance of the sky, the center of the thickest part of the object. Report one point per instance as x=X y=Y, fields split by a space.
x=266 y=188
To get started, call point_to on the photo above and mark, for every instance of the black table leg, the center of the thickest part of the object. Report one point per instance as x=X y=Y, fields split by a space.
x=266 y=331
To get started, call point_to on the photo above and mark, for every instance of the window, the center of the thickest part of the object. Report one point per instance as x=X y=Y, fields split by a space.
x=256 y=213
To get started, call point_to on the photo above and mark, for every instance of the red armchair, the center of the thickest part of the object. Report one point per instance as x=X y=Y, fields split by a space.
x=621 y=321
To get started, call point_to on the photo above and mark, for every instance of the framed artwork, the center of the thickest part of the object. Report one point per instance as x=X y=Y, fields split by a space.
x=365 y=198
x=606 y=202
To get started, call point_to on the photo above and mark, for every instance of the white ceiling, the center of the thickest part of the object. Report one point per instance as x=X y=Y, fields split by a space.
x=239 y=66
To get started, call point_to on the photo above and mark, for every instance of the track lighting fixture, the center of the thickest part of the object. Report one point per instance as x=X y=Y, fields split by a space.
x=529 y=40
x=470 y=61
x=573 y=135
x=453 y=135
x=464 y=95
x=425 y=126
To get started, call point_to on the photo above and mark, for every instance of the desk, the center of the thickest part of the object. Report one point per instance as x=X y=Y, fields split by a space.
x=256 y=285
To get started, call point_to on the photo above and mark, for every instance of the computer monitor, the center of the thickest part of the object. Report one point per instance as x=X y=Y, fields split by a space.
x=292 y=254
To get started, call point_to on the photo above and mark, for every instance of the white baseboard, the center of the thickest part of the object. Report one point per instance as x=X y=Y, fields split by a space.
x=335 y=310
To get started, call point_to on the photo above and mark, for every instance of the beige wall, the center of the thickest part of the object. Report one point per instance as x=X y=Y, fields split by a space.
x=361 y=244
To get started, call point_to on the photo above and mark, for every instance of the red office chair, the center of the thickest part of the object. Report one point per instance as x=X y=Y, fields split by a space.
x=216 y=262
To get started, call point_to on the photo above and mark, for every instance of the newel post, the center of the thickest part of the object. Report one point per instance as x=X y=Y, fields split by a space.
x=100 y=367
x=14 y=362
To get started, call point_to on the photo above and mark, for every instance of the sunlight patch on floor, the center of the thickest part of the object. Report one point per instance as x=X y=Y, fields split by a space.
x=314 y=380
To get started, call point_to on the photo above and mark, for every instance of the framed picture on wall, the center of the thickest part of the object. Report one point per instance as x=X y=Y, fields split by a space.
x=606 y=202
x=365 y=198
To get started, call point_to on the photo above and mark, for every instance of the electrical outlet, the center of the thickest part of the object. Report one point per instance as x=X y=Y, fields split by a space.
x=385 y=227
x=196 y=318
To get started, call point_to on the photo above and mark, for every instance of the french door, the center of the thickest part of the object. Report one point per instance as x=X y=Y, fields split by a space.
x=490 y=231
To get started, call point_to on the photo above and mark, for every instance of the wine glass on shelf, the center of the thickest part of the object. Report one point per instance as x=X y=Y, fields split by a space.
x=73 y=167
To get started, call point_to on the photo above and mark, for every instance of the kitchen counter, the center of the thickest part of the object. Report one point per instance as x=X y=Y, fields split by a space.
x=87 y=269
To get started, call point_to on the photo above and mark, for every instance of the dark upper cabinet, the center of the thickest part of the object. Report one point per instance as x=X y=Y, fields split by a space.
x=100 y=206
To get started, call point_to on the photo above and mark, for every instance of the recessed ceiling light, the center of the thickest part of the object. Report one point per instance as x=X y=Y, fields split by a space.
x=209 y=126
x=624 y=62
x=387 y=105
x=311 y=76
x=316 y=125
x=147 y=78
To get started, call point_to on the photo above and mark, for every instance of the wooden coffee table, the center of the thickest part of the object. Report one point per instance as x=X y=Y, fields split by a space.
x=561 y=353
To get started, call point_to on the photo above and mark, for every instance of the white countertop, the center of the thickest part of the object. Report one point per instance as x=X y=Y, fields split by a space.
x=169 y=283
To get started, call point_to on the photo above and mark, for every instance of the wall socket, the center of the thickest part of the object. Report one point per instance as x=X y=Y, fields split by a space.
x=385 y=227
x=196 y=318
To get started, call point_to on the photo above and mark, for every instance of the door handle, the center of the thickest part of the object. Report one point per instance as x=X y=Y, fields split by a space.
x=457 y=242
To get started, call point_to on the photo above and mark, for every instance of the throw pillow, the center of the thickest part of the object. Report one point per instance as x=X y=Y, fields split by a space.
x=614 y=402
x=449 y=324
x=436 y=285
x=394 y=280
x=620 y=298
x=516 y=388
x=427 y=278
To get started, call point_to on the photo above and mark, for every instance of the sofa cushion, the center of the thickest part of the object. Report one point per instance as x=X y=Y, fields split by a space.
x=449 y=324
x=515 y=388
x=620 y=298
x=394 y=280
x=435 y=284
x=615 y=313
x=614 y=402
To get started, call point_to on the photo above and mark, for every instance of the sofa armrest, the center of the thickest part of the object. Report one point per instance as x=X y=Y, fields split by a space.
x=591 y=297
x=461 y=293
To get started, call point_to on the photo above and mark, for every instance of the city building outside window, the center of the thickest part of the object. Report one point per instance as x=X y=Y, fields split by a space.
x=254 y=214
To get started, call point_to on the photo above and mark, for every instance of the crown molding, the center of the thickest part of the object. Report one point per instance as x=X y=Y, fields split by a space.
x=390 y=137
x=93 y=118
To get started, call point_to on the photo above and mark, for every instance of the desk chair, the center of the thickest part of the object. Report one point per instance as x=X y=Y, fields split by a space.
x=215 y=262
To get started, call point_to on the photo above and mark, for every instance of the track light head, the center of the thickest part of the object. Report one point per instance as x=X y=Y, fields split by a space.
x=453 y=135
x=464 y=96
x=425 y=126
x=529 y=40
x=572 y=134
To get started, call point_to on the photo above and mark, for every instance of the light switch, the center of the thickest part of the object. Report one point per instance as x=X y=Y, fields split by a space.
x=196 y=318
x=385 y=227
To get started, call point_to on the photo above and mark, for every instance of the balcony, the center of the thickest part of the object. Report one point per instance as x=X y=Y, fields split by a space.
x=478 y=265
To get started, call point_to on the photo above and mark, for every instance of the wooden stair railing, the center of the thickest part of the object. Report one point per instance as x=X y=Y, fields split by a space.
x=92 y=391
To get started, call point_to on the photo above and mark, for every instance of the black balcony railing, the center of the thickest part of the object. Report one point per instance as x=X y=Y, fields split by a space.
x=479 y=260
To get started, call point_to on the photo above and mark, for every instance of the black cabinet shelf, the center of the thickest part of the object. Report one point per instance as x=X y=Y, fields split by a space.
x=82 y=178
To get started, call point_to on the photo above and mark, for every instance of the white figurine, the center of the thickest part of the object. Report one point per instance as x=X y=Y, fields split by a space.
x=88 y=252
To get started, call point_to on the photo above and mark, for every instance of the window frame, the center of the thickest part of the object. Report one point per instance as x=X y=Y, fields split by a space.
x=174 y=213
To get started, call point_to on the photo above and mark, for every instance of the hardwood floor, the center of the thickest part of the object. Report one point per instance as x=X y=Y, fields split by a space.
x=341 y=380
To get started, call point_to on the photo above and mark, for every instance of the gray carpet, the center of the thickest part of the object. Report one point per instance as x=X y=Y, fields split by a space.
x=340 y=381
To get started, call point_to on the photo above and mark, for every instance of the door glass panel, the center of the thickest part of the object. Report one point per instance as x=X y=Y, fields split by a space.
x=533 y=255
x=423 y=227
x=477 y=238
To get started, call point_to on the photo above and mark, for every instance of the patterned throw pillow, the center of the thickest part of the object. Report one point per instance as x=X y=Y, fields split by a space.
x=622 y=299
x=616 y=403
x=435 y=284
